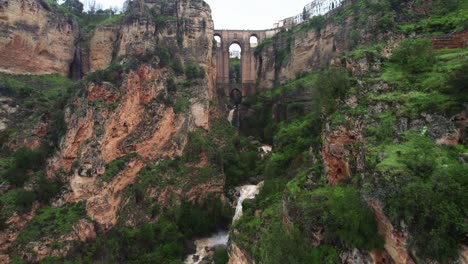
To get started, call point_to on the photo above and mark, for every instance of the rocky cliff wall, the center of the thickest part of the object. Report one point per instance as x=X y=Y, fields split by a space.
x=315 y=44
x=139 y=113
x=183 y=24
x=34 y=39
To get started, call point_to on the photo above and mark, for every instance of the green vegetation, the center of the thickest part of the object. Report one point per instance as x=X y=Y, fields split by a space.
x=438 y=86
x=290 y=246
x=424 y=186
x=221 y=256
x=341 y=212
x=41 y=99
x=235 y=71
x=414 y=55
x=420 y=183
x=37 y=93
x=115 y=166
x=161 y=241
x=193 y=71
x=51 y=221
x=333 y=85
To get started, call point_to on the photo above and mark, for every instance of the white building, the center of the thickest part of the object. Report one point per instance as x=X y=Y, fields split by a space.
x=235 y=54
x=314 y=8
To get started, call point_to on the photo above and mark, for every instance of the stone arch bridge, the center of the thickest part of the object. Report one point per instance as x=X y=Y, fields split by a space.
x=248 y=62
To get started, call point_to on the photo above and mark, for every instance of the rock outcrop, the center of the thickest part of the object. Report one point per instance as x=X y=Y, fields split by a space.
x=34 y=39
x=187 y=25
x=339 y=153
x=237 y=255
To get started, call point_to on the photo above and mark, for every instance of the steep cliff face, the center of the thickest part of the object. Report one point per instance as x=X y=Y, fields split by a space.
x=237 y=255
x=315 y=43
x=376 y=136
x=185 y=24
x=126 y=118
x=140 y=119
x=34 y=39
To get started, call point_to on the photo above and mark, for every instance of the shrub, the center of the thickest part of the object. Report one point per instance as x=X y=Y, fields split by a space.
x=332 y=85
x=181 y=105
x=116 y=166
x=25 y=161
x=113 y=74
x=426 y=189
x=288 y=245
x=414 y=55
x=457 y=83
x=24 y=199
x=163 y=54
x=177 y=66
x=46 y=189
x=51 y=221
x=221 y=256
x=193 y=71
x=341 y=213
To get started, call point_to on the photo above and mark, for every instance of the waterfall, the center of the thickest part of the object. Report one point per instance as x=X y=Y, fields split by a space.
x=246 y=192
x=231 y=115
x=204 y=246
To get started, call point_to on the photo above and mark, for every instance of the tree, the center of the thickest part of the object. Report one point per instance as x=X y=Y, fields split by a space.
x=75 y=6
x=414 y=55
x=305 y=14
x=125 y=6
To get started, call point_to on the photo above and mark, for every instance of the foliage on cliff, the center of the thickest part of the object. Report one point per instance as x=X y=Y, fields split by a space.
x=419 y=183
x=40 y=100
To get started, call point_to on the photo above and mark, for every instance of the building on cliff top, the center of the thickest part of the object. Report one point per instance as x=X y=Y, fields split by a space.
x=314 y=8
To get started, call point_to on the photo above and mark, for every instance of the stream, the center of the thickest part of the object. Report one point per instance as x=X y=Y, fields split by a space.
x=205 y=246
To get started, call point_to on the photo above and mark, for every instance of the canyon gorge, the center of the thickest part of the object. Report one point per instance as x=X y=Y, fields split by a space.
x=138 y=138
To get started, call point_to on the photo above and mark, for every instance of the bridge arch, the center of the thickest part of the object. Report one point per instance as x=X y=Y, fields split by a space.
x=254 y=40
x=248 y=62
x=217 y=38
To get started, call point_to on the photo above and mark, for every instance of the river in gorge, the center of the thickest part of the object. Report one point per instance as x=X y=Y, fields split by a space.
x=205 y=246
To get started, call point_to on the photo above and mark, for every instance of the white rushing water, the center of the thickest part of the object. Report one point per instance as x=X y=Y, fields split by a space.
x=205 y=245
x=264 y=149
x=246 y=192
x=231 y=115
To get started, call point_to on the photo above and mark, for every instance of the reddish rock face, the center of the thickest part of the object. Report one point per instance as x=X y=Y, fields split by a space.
x=338 y=149
x=395 y=241
x=15 y=223
x=37 y=41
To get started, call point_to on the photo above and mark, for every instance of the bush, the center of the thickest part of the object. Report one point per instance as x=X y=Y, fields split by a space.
x=221 y=256
x=177 y=66
x=288 y=245
x=193 y=71
x=24 y=199
x=342 y=215
x=24 y=162
x=51 y=221
x=414 y=55
x=457 y=83
x=426 y=189
x=163 y=54
x=116 y=166
x=181 y=105
x=112 y=74
x=332 y=85
x=46 y=189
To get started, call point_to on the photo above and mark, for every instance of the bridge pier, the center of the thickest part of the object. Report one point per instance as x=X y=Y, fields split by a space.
x=248 y=61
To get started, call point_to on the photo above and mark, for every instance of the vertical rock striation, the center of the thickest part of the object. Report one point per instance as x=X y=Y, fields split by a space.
x=34 y=39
